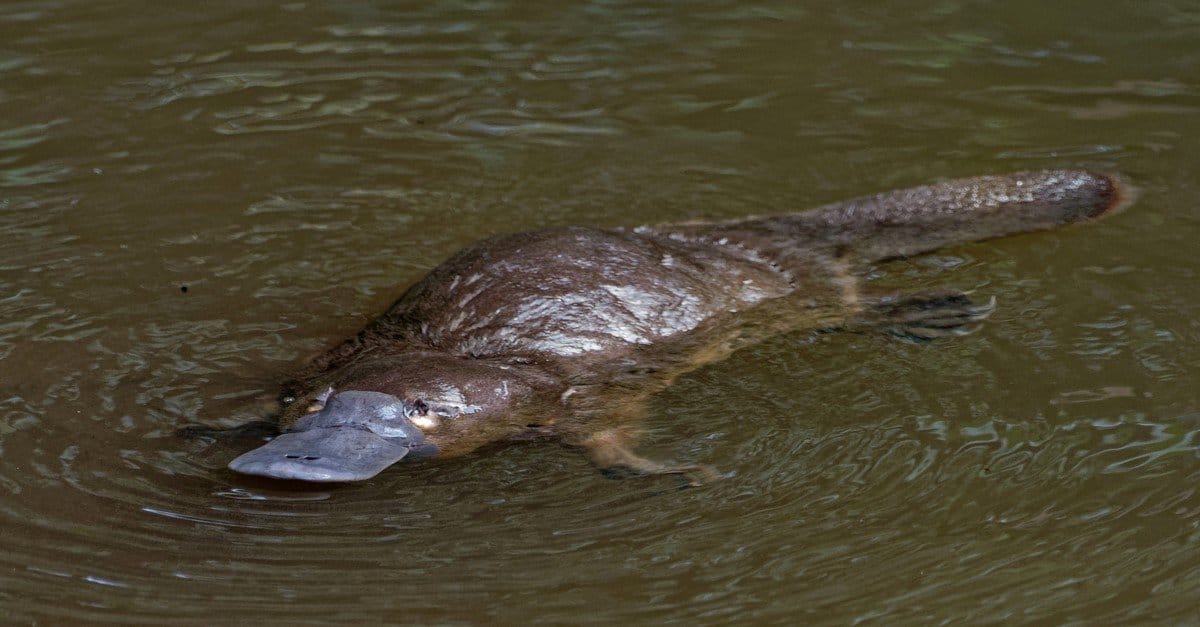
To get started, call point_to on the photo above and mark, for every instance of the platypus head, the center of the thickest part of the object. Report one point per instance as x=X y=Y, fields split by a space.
x=383 y=410
x=354 y=436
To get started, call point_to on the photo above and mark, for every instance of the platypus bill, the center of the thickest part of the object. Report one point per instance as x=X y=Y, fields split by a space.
x=566 y=332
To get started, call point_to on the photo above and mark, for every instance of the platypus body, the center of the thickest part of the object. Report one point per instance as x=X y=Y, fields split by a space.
x=566 y=332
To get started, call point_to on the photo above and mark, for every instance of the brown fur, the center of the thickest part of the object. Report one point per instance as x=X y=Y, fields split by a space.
x=568 y=331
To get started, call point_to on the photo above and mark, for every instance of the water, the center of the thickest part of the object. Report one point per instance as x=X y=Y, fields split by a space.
x=294 y=166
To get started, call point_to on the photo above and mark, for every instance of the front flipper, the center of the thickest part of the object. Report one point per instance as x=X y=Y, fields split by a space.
x=929 y=315
x=612 y=451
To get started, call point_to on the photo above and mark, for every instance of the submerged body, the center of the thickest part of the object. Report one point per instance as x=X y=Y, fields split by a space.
x=565 y=332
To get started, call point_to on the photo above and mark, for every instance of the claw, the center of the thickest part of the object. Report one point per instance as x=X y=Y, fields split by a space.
x=985 y=310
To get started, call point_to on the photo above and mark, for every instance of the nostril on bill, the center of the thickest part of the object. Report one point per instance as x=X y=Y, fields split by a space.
x=307 y=458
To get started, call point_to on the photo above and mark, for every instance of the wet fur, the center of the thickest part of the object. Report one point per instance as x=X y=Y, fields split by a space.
x=580 y=325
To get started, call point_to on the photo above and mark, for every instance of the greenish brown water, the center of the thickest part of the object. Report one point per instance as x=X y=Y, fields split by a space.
x=296 y=165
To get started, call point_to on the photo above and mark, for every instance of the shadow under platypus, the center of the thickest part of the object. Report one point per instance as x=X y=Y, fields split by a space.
x=566 y=332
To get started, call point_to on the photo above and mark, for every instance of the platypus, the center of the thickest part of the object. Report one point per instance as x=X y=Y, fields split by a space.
x=566 y=332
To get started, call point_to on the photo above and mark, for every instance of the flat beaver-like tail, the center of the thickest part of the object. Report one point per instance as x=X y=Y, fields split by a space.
x=921 y=219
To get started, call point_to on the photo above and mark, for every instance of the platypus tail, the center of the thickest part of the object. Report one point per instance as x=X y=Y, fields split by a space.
x=921 y=219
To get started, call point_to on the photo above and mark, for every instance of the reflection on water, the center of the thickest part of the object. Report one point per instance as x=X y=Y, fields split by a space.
x=295 y=166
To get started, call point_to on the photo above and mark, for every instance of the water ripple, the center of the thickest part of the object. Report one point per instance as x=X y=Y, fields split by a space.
x=194 y=202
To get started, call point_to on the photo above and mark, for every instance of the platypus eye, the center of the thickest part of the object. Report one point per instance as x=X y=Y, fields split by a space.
x=418 y=413
x=415 y=408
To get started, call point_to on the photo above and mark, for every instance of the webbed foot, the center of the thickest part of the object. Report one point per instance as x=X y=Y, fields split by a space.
x=932 y=315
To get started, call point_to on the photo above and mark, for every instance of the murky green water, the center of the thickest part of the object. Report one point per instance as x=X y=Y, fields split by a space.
x=296 y=165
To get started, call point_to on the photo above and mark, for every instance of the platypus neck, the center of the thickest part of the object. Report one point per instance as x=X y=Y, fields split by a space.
x=448 y=384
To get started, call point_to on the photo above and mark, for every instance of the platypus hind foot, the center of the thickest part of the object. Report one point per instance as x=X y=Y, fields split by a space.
x=931 y=315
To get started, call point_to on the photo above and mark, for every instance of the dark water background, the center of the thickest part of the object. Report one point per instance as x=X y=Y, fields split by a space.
x=296 y=165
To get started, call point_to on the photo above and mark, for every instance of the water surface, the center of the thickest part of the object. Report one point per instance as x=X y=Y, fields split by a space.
x=294 y=166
